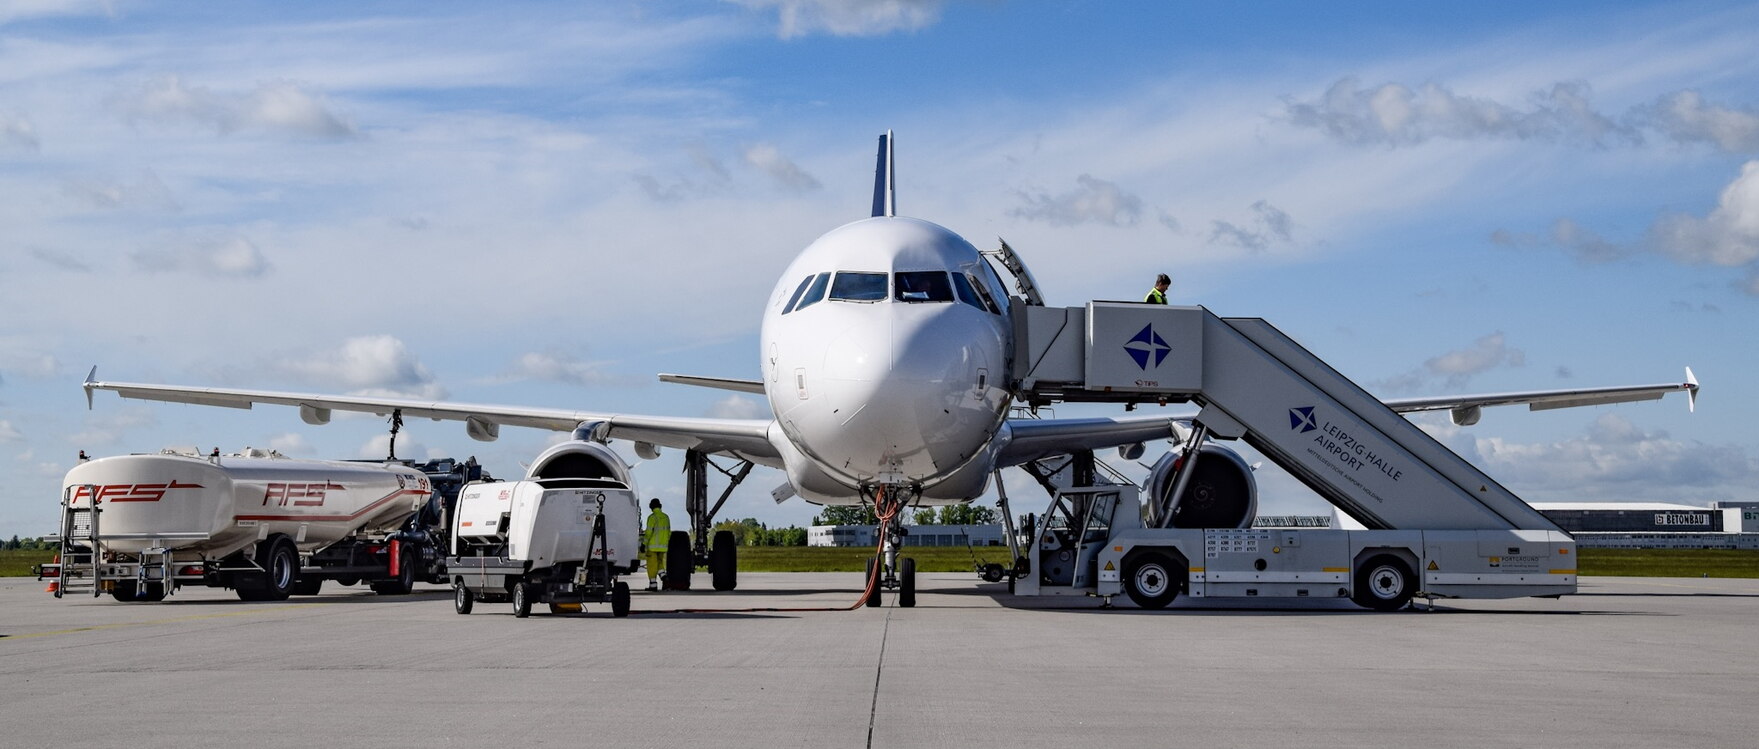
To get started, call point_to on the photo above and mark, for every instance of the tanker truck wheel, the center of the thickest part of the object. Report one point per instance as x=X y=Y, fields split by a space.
x=521 y=600
x=123 y=591
x=280 y=563
x=405 y=580
x=151 y=592
x=308 y=586
x=620 y=599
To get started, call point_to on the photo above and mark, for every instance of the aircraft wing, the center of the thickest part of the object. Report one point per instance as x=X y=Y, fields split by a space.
x=723 y=383
x=742 y=438
x=1465 y=408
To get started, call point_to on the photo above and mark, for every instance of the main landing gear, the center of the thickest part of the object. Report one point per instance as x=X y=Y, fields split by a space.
x=721 y=556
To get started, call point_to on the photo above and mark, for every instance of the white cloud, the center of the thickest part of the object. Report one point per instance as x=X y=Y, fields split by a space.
x=1454 y=368
x=146 y=191
x=9 y=433
x=108 y=427
x=291 y=443
x=849 y=17
x=60 y=259
x=16 y=131
x=737 y=407
x=19 y=357
x=785 y=172
x=1728 y=236
x=278 y=107
x=1617 y=459
x=1093 y=201
x=1684 y=117
x=1571 y=237
x=1394 y=114
x=235 y=257
x=17 y=10
x=379 y=365
x=379 y=448
x=555 y=366
x=1269 y=224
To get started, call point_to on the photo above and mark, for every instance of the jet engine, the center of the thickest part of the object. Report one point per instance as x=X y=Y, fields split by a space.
x=1221 y=494
x=581 y=459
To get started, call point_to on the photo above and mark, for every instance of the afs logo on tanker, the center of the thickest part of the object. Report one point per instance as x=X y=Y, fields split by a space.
x=130 y=492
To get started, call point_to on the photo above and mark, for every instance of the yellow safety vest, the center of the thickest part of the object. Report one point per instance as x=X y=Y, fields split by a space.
x=659 y=531
x=1155 y=296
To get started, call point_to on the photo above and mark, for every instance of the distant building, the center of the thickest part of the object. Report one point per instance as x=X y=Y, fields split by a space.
x=1660 y=525
x=919 y=535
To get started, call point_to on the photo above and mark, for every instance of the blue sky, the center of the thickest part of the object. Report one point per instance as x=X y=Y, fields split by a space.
x=547 y=203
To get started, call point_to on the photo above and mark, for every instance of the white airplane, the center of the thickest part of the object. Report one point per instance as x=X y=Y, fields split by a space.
x=884 y=356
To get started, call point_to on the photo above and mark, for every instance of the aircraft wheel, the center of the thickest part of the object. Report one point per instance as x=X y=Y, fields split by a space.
x=907 y=582
x=680 y=561
x=873 y=594
x=620 y=599
x=1149 y=580
x=1384 y=584
x=521 y=600
x=724 y=561
x=462 y=599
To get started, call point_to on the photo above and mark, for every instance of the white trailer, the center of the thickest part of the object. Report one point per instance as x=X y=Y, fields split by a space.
x=560 y=541
x=138 y=526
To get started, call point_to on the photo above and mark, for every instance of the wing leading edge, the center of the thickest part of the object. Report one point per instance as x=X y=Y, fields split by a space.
x=743 y=438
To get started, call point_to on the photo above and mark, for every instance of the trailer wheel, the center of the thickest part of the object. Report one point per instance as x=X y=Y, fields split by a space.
x=1384 y=584
x=123 y=591
x=907 y=582
x=723 y=561
x=462 y=599
x=308 y=586
x=873 y=595
x=521 y=600
x=280 y=563
x=620 y=599
x=1149 y=580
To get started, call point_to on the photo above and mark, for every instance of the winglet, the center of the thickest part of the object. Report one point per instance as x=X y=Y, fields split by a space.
x=884 y=201
x=91 y=379
x=1691 y=391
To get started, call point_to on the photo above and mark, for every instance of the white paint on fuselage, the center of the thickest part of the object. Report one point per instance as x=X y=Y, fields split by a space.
x=887 y=392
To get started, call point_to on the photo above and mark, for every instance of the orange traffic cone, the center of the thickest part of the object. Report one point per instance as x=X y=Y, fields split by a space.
x=53 y=586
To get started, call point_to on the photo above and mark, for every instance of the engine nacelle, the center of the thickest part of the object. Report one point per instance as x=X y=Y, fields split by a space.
x=580 y=459
x=1221 y=494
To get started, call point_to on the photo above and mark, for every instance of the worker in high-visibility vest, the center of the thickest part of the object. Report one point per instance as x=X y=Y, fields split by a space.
x=1158 y=294
x=659 y=533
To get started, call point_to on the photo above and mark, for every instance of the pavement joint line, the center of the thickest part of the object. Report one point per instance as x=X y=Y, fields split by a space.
x=173 y=620
x=879 y=668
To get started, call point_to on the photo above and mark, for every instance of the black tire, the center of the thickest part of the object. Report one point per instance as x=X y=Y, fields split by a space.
x=347 y=581
x=123 y=591
x=308 y=586
x=151 y=592
x=723 y=561
x=679 y=562
x=907 y=582
x=280 y=562
x=1150 y=580
x=405 y=580
x=620 y=599
x=521 y=600
x=1384 y=583
x=873 y=593
x=462 y=599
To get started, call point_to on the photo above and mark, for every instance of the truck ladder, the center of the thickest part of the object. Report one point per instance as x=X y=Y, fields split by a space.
x=79 y=525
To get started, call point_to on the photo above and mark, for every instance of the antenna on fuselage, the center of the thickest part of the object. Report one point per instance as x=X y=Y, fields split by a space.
x=884 y=201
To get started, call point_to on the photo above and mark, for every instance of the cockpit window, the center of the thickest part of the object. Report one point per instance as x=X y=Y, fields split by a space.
x=923 y=286
x=795 y=299
x=815 y=292
x=967 y=294
x=851 y=286
x=984 y=301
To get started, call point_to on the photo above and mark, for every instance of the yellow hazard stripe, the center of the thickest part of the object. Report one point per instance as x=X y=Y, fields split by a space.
x=1563 y=572
x=1334 y=569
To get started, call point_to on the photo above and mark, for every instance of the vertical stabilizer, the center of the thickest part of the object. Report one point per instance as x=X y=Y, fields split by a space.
x=884 y=202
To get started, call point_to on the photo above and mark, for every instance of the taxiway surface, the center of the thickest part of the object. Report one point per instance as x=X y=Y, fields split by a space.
x=1628 y=662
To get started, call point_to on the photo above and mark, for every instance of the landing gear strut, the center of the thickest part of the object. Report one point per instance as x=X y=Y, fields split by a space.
x=721 y=557
x=894 y=573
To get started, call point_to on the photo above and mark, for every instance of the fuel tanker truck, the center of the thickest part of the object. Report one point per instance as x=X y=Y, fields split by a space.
x=265 y=525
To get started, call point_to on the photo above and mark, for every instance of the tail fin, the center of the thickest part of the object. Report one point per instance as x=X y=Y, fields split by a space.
x=884 y=202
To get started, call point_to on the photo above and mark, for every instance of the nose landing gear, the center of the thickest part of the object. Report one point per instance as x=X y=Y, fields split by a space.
x=887 y=570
